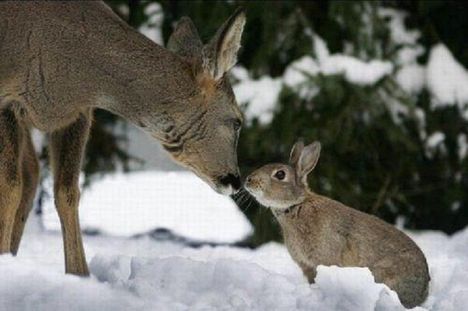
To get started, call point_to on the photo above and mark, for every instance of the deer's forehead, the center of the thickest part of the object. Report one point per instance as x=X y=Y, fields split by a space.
x=219 y=98
x=207 y=85
x=224 y=109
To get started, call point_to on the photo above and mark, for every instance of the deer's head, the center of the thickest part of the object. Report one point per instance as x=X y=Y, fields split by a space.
x=204 y=137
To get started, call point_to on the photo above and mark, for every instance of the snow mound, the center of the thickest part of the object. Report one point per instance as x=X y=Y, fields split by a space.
x=28 y=286
x=134 y=203
x=143 y=274
x=169 y=284
x=348 y=285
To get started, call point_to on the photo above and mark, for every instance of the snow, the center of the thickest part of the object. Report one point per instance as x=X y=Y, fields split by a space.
x=144 y=274
x=443 y=76
x=435 y=139
x=435 y=142
x=123 y=9
x=152 y=27
x=138 y=202
x=411 y=78
x=462 y=146
x=446 y=78
x=409 y=54
x=398 y=31
x=298 y=76
x=353 y=69
x=261 y=95
x=334 y=281
x=300 y=71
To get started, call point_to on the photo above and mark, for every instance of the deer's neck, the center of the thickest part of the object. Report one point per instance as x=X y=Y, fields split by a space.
x=71 y=55
x=142 y=78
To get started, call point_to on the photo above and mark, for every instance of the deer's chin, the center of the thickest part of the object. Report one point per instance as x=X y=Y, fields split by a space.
x=217 y=186
x=225 y=190
x=221 y=189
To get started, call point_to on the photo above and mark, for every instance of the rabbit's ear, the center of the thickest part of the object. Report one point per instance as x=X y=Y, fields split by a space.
x=307 y=161
x=295 y=153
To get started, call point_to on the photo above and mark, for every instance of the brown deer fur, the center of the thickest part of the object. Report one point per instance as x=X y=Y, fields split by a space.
x=60 y=60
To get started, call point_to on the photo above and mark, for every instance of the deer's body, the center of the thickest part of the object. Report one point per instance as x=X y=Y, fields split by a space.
x=59 y=60
x=320 y=231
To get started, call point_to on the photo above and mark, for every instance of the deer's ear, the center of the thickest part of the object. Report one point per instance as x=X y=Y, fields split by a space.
x=185 y=40
x=307 y=161
x=220 y=54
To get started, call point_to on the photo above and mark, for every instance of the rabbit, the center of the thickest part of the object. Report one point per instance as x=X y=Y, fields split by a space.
x=320 y=231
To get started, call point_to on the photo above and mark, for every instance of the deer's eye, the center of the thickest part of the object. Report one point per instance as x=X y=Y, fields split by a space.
x=237 y=124
x=280 y=175
x=174 y=150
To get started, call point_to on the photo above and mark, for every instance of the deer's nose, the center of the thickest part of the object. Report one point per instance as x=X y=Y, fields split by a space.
x=232 y=180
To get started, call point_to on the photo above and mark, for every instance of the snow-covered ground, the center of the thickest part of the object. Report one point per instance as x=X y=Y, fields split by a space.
x=144 y=274
x=137 y=202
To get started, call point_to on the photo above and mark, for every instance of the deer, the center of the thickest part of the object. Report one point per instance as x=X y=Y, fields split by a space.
x=61 y=60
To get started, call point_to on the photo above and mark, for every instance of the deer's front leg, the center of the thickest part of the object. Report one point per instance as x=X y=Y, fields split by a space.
x=11 y=141
x=67 y=146
x=30 y=175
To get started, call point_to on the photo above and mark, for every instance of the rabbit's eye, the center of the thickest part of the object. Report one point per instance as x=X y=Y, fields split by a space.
x=280 y=175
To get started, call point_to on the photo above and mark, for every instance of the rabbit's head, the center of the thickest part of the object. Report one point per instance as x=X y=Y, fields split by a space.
x=280 y=186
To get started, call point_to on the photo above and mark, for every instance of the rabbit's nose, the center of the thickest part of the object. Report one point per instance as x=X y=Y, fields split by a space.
x=248 y=179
